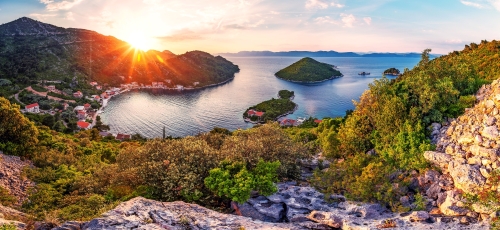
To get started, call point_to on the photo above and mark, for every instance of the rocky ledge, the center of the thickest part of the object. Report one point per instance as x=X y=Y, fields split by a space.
x=467 y=151
x=293 y=207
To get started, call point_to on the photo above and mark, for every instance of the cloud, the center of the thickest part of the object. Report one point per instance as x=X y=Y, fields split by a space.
x=274 y=12
x=473 y=4
x=69 y=16
x=454 y=41
x=325 y=20
x=368 y=20
x=316 y=4
x=337 y=5
x=181 y=35
x=42 y=17
x=348 y=19
x=495 y=4
x=244 y=26
x=54 y=5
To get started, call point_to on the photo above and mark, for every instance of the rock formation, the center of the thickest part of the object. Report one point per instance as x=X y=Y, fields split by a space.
x=11 y=178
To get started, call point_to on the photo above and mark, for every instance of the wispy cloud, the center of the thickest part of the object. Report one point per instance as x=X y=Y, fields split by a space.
x=495 y=4
x=316 y=4
x=337 y=5
x=55 y=5
x=348 y=19
x=326 y=20
x=454 y=41
x=473 y=4
x=42 y=17
x=69 y=16
x=181 y=35
x=367 y=20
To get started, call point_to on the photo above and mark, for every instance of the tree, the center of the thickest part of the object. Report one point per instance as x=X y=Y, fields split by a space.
x=234 y=181
x=48 y=120
x=18 y=135
x=59 y=126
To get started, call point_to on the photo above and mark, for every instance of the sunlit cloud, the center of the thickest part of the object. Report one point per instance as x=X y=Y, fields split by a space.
x=69 y=16
x=42 y=17
x=54 y=5
x=325 y=20
x=181 y=35
x=336 y=5
x=367 y=20
x=348 y=19
x=454 y=41
x=274 y=12
x=316 y=4
x=473 y=4
x=495 y=4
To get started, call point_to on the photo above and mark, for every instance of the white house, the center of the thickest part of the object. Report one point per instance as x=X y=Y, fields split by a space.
x=33 y=108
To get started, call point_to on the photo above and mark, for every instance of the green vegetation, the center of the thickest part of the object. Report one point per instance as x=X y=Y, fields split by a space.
x=285 y=94
x=383 y=140
x=308 y=70
x=235 y=181
x=79 y=176
x=39 y=88
x=272 y=109
x=8 y=227
x=5 y=198
x=392 y=71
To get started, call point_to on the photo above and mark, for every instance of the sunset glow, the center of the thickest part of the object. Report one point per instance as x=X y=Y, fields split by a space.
x=230 y=26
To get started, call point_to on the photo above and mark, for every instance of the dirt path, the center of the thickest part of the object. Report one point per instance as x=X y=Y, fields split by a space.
x=44 y=94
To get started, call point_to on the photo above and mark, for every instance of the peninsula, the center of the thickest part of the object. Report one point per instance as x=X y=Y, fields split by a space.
x=308 y=70
x=271 y=110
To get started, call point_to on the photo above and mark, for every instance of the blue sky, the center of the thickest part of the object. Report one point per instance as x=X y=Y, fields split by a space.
x=234 y=25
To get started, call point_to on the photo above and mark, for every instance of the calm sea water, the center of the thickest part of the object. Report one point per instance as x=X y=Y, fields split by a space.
x=185 y=113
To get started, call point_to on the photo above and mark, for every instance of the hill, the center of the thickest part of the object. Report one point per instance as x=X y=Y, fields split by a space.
x=308 y=70
x=31 y=51
x=319 y=54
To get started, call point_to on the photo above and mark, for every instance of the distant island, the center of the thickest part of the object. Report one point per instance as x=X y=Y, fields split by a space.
x=308 y=70
x=271 y=110
x=392 y=71
x=320 y=54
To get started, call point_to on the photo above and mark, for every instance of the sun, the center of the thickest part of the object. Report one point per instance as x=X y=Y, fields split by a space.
x=139 y=41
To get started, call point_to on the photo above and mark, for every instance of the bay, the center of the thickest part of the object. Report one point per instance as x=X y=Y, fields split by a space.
x=190 y=112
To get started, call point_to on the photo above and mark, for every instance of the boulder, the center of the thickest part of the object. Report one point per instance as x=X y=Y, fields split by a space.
x=418 y=216
x=467 y=177
x=447 y=204
x=326 y=218
x=438 y=158
x=490 y=132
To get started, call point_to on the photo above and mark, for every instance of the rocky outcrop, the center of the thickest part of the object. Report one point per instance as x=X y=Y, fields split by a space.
x=11 y=178
x=9 y=216
x=467 y=149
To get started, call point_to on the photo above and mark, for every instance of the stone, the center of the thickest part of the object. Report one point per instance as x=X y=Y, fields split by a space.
x=275 y=211
x=490 y=132
x=405 y=201
x=325 y=218
x=467 y=178
x=474 y=160
x=477 y=150
x=435 y=211
x=491 y=121
x=466 y=139
x=419 y=216
x=433 y=190
x=495 y=164
x=489 y=104
x=478 y=138
x=485 y=172
x=483 y=209
x=448 y=205
x=438 y=158
x=485 y=162
x=464 y=220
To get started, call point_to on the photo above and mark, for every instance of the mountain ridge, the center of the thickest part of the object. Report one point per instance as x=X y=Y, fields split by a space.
x=330 y=53
x=31 y=50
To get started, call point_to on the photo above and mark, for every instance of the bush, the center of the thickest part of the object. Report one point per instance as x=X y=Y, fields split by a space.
x=235 y=181
x=5 y=198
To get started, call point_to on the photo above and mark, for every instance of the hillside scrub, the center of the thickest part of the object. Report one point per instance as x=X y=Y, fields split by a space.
x=308 y=70
x=386 y=134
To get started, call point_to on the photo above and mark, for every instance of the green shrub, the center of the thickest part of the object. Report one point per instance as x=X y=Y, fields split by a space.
x=5 y=198
x=235 y=181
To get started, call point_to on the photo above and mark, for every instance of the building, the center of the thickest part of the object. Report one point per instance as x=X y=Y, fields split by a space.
x=87 y=106
x=161 y=84
x=288 y=122
x=104 y=95
x=196 y=83
x=65 y=105
x=33 y=108
x=83 y=125
x=79 y=108
x=78 y=94
x=122 y=137
x=51 y=87
x=81 y=115
x=93 y=83
x=317 y=121
x=252 y=113
x=154 y=84
x=98 y=87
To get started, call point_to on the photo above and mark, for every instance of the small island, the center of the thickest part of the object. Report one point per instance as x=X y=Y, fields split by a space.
x=308 y=70
x=271 y=110
x=392 y=71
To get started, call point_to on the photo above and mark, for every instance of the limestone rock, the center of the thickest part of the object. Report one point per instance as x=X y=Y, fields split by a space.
x=490 y=132
x=326 y=218
x=449 y=207
x=438 y=158
x=467 y=178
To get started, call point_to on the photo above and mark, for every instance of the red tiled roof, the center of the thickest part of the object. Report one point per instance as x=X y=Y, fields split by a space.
x=81 y=112
x=32 y=105
x=251 y=112
x=259 y=114
x=83 y=124
x=318 y=121
x=120 y=136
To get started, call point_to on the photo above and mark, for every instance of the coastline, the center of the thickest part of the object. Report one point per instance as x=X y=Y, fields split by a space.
x=310 y=82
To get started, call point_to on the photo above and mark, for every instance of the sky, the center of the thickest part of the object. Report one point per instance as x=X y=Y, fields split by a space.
x=218 y=26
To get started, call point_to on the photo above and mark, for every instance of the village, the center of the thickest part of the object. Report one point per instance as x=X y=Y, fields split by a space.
x=255 y=117
x=86 y=114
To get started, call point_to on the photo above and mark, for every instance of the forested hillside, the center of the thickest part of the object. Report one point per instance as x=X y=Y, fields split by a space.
x=32 y=50
x=381 y=143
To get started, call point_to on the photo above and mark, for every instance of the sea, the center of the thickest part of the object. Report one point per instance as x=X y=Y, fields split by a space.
x=190 y=112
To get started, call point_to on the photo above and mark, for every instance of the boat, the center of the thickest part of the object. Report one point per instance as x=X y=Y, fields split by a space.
x=364 y=73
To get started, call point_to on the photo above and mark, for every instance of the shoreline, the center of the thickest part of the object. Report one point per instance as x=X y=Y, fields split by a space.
x=310 y=82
